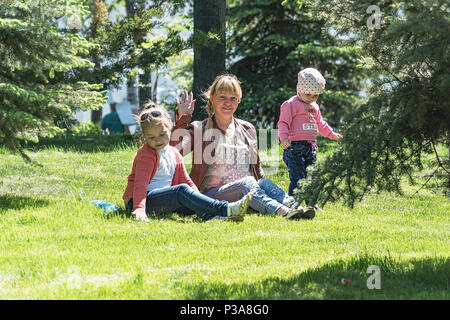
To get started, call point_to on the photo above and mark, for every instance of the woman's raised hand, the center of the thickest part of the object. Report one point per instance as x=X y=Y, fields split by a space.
x=186 y=105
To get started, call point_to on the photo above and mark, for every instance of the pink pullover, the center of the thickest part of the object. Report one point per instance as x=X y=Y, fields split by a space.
x=300 y=121
x=145 y=164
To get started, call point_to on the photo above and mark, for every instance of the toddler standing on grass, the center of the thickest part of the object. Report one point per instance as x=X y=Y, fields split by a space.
x=300 y=122
x=159 y=183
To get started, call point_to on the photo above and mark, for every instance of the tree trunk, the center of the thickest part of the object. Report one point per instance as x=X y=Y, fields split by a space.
x=131 y=90
x=145 y=87
x=96 y=115
x=209 y=57
x=155 y=86
x=130 y=7
x=144 y=80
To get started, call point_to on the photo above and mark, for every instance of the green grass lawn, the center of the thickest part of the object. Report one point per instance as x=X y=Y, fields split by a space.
x=55 y=245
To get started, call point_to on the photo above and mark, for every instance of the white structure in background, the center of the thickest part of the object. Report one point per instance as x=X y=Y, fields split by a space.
x=124 y=108
x=166 y=91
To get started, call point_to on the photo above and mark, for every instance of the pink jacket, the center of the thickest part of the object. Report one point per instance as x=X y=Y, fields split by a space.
x=145 y=164
x=300 y=121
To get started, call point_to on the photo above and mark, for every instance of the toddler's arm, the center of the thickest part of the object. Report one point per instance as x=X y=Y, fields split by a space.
x=337 y=137
x=284 y=123
x=324 y=128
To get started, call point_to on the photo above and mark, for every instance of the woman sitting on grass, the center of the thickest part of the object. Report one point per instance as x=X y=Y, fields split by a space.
x=159 y=183
x=226 y=164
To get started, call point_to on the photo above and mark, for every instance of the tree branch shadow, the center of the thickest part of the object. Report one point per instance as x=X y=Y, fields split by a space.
x=14 y=202
x=405 y=279
x=84 y=143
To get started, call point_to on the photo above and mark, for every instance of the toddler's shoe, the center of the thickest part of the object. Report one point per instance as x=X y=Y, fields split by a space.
x=308 y=213
x=293 y=214
x=300 y=213
x=236 y=210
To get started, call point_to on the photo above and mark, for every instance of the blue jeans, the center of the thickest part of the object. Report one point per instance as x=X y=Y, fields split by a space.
x=267 y=197
x=298 y=157
x=183 y=200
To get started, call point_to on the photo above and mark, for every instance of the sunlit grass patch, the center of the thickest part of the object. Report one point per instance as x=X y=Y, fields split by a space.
x=55 y=245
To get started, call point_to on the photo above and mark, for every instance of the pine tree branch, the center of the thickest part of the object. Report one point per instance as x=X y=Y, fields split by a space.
x=430 y=66
x=387 y=69
x=429 y=178
x=7 y=76
x=441 y=165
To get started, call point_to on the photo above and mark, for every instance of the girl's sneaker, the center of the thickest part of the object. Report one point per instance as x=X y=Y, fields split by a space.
x=236 y=210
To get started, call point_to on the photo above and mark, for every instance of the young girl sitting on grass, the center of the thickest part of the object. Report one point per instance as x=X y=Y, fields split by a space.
x=159 y=183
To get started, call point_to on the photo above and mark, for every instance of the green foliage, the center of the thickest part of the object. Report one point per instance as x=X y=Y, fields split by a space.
x=85 y=128
x=131 y=43
x=270 y=43
x=36 y=61
x=180 y=66
x=407 y=112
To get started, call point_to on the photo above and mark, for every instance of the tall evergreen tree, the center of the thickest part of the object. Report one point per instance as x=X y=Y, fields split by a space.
x=209 y=47
x=36 y=63
x=100 y=17
x=53 y=64
x=270 y=43
x=144 y=79
x=132 y=94
x=407 y=112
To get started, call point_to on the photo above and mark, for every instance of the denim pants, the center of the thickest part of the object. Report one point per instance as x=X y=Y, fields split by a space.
x=183 y=200
x=267 y=196
x=297 y=157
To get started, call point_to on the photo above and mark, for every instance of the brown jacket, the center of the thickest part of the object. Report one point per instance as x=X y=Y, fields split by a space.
x=195 y=132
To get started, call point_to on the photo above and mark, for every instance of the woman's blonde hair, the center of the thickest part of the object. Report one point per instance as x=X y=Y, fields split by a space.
x=226 y=82
x=153 y=115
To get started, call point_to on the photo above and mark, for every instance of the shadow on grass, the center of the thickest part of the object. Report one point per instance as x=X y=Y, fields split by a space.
x=19 y=202
x=84 y=143
x=121 y=212
x=405 y=279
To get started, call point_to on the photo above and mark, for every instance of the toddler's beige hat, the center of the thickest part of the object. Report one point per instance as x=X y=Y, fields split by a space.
x=310 y=81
